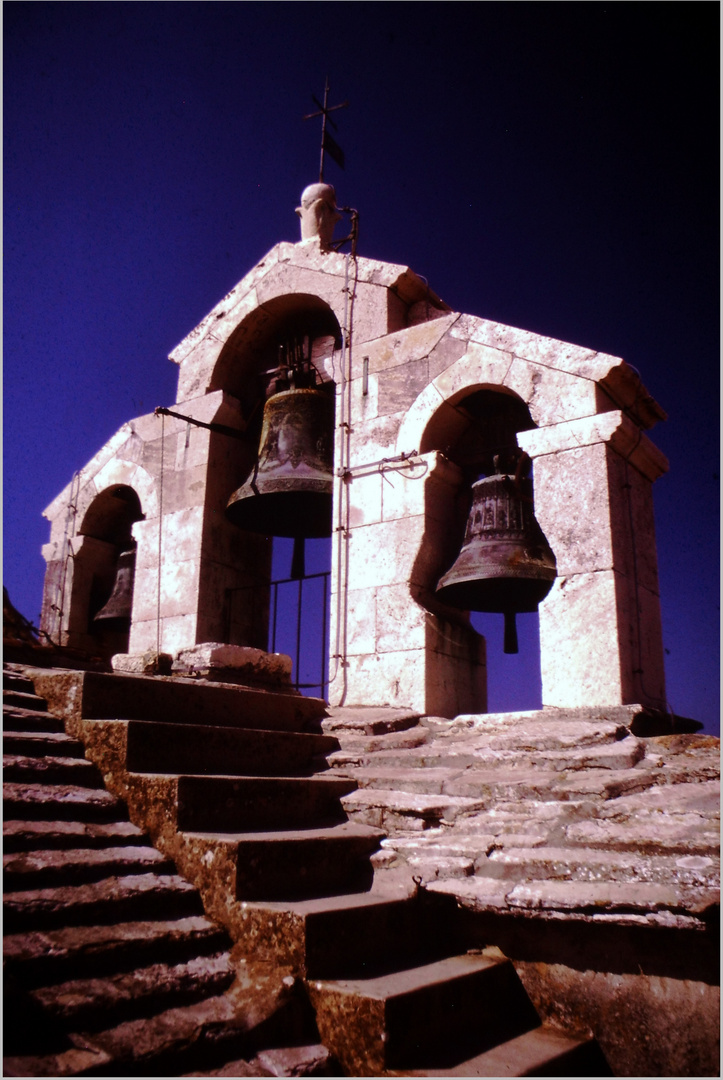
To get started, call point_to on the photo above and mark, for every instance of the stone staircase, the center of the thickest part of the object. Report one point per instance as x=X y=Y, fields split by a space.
x=111 y=966
x=234 y=789
x=565 y=812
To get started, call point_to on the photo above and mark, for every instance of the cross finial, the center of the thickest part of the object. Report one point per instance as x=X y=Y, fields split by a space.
x=328 y=144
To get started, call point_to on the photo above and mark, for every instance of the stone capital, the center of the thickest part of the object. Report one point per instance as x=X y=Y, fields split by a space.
x=624 y=436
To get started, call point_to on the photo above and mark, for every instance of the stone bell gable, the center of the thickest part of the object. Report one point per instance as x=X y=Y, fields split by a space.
x=297 y=282
x=403 y=365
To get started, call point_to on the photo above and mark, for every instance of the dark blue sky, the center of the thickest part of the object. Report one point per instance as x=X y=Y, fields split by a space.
x=553 y=166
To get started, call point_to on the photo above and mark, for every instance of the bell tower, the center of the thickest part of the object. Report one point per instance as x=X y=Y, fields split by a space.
x=329 y=394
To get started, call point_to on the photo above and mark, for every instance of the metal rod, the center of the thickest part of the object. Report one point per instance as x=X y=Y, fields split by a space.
x=276 y=600
x=298 y=633
x=221 y=429
x=324 y=660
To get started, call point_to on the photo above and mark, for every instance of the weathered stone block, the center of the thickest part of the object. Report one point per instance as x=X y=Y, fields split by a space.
x=150 y=662
x=405 y=346
x=403 y=489
x=579 y=667
x=445 y=353
x=384 y=554
x=374 y=439
x=399 y=621
x=232 y=663
x=572 y=506
x=365 y=498
x=552 y=396
x=364 y=406
x=400 y=386
x=360 y=623
x=481 y=366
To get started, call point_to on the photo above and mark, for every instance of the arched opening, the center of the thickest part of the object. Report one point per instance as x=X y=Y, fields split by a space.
x=104 y=571
x=280 y=365
x=501 y=562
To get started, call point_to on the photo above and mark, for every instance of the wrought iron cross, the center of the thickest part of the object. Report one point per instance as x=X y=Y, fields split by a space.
x=328 y=143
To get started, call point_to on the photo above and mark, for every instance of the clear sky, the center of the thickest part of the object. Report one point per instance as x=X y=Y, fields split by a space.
x=553 y=166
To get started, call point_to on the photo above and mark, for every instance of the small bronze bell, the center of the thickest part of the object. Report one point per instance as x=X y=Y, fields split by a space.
x=120 y=603
x=289 y=492
x=506 y=564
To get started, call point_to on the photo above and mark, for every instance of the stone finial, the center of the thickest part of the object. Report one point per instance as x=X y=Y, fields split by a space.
x=318 y=213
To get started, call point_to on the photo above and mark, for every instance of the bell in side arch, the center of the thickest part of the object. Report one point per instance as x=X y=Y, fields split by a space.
x=117 y=610
x=289 y=492
x=506 y=564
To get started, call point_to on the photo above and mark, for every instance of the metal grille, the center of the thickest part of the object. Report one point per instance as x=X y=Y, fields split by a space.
x=298 y=623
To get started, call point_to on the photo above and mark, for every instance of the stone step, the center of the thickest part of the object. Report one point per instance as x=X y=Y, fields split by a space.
x=176 y=748
x=51 y=770
x=61 y=802
x=101 y=696
x=453 y=855
x=660 y=904
x=14 y=681
x=314 y=1060
x=179 y=1040
x=296 y=864
x=388 y=809
x=424 y=781
x=37 y=743
x=353 y=934
x=368 y=720
x=21 y=836
x=591 y=865
x=53 y=869
x=89 y=1004
x=429 y=1016
x=16 y=719
x=457 y=757
x=38 y=957
x=358 y=747
x=251 y=803
x=24 y=700
x=113 y=899
x=603 y=784
x=650 y=835
x=540 y=1052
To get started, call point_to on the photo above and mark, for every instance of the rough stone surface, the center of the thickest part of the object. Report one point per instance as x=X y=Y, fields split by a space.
x=551 y=812
x=228 y=663
x=296 y=1061
x=515 y=858
x=149 y=662
x=108 y=961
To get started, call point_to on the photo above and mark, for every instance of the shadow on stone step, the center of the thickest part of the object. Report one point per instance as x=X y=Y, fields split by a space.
x=27 y=1025
x=380 y=939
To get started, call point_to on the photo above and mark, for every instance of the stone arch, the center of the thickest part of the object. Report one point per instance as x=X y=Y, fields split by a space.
x=553 y=396
x=238 y=590
x=112 y=514
x=476 y=430
x=253 y=346
x=103 y=545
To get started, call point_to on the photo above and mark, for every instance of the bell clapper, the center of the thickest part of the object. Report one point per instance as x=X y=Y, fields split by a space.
x=298 y=559
x=511 y=644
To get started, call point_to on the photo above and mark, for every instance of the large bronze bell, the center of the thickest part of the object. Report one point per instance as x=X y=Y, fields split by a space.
x=120 y=602
x=506 y=564
x=289 y=492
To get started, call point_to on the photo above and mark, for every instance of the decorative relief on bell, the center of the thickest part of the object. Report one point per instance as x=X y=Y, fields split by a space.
x=506 y=564
x=289 y=492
